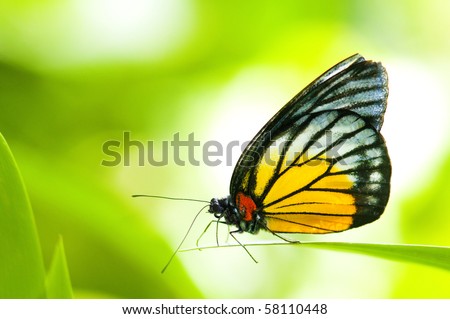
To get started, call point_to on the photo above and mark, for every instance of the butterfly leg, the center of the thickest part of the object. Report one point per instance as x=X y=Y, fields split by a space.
x=284 y=238
x=245 y=248
x=204 y=231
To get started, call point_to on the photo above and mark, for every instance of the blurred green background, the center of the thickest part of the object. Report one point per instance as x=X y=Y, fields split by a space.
x=77 y=73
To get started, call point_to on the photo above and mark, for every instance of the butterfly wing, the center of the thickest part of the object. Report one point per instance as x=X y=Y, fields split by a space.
x=320 y=164
x=354 y=84
x=331 y=173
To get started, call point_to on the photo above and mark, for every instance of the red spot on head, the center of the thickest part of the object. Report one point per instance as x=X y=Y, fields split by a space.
x=246 y=205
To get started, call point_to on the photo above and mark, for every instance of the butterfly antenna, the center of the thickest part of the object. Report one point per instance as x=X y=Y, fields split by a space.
x=172 y=198
x=182 y=241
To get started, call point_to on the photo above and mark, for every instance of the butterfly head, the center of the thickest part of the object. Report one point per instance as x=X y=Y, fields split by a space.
x=219 y=207
x=225 y=208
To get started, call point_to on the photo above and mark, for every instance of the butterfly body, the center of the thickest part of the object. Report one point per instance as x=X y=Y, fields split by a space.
x=320 y=165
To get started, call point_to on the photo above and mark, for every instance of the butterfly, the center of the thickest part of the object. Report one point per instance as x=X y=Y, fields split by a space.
x=320 y=165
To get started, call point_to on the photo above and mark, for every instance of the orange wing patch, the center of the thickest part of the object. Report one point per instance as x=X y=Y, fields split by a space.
x=308 y=223
x=294 y=179
x=310 y=200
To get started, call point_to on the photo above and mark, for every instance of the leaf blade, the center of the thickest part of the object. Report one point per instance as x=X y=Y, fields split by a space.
x=435 y=256
x=22 y=273
x=58 y=281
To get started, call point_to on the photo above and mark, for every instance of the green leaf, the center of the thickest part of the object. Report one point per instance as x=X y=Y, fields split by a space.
x=22 y=272
x=58 y=278
x=435 y=256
